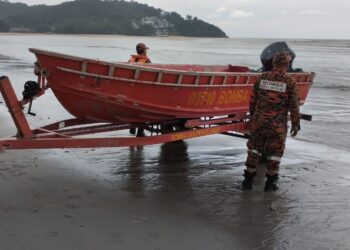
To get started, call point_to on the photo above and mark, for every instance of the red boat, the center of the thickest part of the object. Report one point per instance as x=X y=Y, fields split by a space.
x=95 y=90
x=173 y=102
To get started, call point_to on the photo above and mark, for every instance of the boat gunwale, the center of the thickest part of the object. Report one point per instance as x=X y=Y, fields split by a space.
x=82 y=73
x=154 y=69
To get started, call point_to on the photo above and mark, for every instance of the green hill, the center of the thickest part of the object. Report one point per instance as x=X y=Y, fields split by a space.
x=101 y=17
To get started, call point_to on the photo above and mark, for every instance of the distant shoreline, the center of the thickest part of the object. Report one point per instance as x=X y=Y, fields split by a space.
x=102 y=35
x=171 y=37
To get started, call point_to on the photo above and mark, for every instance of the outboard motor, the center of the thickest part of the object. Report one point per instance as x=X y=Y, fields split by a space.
x=31 y=89
x=270 y=51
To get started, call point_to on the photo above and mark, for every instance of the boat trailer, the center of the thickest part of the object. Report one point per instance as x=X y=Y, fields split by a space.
x=75 y=133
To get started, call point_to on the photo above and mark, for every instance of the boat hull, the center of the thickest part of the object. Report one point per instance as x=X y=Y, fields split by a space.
x=117 y=92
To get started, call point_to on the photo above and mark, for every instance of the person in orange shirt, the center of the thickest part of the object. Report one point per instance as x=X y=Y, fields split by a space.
x=141 y=58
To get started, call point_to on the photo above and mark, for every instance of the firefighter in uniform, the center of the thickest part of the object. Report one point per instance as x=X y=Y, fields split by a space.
x=274 y=95
x=141 y=58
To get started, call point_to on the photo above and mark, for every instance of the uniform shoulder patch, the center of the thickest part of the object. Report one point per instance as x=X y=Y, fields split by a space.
x=273 y=86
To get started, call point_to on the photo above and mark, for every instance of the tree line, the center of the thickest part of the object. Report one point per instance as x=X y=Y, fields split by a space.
x=101 y=17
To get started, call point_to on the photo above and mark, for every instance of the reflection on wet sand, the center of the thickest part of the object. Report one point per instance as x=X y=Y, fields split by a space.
x=256 y=219
x=168 y=171
x=208 y=193
x=173 y=167
x=135 y=169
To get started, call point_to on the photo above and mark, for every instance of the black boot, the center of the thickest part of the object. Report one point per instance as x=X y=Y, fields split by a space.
x=247 y=183
x=271 y=183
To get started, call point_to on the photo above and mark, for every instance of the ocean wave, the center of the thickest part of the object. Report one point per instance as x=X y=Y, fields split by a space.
x=333 y=87
x=322 y=43
x=4 y=58
x=105 y=47
x=12 y=62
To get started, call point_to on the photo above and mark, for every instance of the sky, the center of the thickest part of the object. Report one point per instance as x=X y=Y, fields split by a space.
x=309 y=19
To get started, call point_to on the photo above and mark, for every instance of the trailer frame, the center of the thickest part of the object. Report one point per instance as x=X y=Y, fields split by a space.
x=75 y=133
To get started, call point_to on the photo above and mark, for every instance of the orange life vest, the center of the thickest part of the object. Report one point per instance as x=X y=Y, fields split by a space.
x=139 y=59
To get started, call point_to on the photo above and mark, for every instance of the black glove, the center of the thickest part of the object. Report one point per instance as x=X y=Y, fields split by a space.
x=294 y=130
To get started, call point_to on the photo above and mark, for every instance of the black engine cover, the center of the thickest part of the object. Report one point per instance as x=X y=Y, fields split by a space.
x=270 y=51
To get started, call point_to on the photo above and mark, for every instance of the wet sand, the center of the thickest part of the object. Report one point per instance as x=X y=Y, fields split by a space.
x=183 y=195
